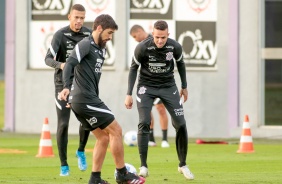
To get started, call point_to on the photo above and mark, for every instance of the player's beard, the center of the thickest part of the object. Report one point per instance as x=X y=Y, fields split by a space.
x=102 y=43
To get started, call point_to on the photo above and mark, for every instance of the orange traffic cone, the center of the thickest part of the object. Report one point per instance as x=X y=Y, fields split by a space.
x=45 y=145
x=246 y=141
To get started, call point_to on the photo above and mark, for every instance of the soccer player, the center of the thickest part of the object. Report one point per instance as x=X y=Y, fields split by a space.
x=139 y=34
x=156 y=58
x=62 y=44
x=87 y=60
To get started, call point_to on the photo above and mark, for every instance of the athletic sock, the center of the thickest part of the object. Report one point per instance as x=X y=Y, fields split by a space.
x=95 y=176
x=122 y=170
x=151 y=136
x=164 y=135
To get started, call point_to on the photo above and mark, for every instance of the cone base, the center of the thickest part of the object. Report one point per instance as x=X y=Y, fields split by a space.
x=242 y=151
x=44 y=156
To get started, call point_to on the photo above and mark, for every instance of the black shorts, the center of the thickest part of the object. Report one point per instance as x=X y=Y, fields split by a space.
x=93 y=116
x=157 y=101
x=170 y=98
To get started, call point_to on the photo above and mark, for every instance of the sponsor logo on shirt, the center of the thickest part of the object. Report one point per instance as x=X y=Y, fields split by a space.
x=169 y=47
x=151 y=48
x=98 y=65
x=169 y=56
x=67 y=34
x=86 y=33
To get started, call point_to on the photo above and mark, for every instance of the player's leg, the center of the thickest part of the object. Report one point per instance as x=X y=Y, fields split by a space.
x=173 y=103
x=80 y=153
x=101 y=121
x=163 y=121
x=115 y=133
x=99 y=153
x=152 y=141
x=144 y=105
x=63 y=116
x=89 y=119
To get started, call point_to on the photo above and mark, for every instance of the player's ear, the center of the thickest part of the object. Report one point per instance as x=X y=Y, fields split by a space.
x=99 y=28
x=69 y=16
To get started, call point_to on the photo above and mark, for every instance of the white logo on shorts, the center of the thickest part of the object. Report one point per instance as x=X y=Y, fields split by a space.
x=92 y=121
x=142 y=90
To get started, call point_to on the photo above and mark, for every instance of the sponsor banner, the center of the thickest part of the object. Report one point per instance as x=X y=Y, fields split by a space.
x=40 y=38
x=195 y=10
x=148 y=27
x=50 y=9
x=48 y=16
x=94 y=8
x=59 y=9
x=151 y=9
x=198 y=40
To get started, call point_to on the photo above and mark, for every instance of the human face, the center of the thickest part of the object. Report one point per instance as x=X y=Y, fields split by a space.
x=76 y=19
x=160 y=37
x=137 y=36
x=104 y=36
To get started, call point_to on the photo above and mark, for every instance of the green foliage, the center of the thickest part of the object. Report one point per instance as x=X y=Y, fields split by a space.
x=219 y=164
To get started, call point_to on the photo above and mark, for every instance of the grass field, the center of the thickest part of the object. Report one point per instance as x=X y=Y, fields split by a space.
x=218 y=164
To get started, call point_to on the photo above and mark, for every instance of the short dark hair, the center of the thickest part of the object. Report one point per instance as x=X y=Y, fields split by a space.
x=77 y=7
x=161 y=25
x=135 y=28
x=106 y=21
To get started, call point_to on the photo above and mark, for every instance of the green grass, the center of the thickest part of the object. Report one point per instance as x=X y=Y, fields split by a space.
x=218 y=164
x=2 y=92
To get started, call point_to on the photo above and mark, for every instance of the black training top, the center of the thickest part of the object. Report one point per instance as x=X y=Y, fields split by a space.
x=61 y=46
x=157 y=65
x=87 y=59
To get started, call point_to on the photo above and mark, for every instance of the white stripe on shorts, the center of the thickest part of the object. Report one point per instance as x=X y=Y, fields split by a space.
x=156 y=101
x=57 y=104
x=138 y=99
x=99 y=109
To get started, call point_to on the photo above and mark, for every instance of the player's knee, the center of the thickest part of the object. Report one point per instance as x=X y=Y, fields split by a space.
x=63 y=125
x=144 y=127
x=182 y=128
x=105 y=139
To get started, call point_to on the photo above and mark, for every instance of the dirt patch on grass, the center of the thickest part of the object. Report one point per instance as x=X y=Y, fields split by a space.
x=15 y=151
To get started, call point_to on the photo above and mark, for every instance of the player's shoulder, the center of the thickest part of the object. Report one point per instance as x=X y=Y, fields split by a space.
x=145 y=43
x=85 y=41
x=173 y=42
x=85 y=30
x=62 y=31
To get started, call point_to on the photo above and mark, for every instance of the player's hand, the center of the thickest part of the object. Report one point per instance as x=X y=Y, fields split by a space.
x=63 y=95
x=128 y=101
x=68 y=105
x=184 y=93
x=62 y=66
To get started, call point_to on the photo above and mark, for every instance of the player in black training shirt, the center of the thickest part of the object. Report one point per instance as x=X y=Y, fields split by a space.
x=87 y=60
x=62 y=44
x=156 y=58
x=139 y=34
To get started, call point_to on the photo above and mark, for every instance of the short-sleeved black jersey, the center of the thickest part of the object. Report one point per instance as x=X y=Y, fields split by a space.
x=157 y=64
x=63 y=42
x=87 y=58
